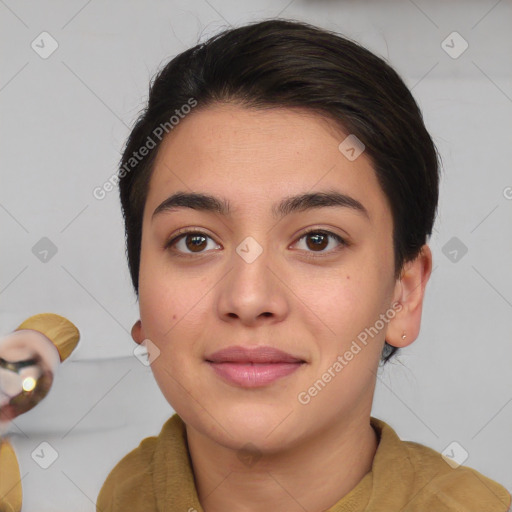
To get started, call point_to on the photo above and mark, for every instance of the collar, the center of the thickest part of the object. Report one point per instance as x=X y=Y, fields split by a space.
x=404 y=476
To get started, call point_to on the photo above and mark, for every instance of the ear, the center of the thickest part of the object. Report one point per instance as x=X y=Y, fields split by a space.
x=138 y=332
x=409 y=292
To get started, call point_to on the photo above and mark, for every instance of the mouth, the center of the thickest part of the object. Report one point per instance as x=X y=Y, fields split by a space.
x=256 y=355
x=253 y=367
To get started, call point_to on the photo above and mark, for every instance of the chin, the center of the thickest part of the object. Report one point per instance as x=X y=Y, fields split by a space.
x=262 y=425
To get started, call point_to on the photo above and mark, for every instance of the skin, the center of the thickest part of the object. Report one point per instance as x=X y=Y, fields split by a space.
x=310 y=456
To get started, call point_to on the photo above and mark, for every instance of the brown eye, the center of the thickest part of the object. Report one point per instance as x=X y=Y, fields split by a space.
x=195 y=242
x=189 y=242
x=317 y=240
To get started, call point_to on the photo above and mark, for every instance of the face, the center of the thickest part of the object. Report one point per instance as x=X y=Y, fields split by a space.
x=254 y=276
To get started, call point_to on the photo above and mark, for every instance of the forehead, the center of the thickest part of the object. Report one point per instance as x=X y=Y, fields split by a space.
x=257 y=156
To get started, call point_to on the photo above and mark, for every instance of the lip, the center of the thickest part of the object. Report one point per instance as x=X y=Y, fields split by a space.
x=253 y=367
x=260 y=354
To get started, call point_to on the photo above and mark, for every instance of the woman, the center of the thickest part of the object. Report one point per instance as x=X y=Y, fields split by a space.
x=278 y=192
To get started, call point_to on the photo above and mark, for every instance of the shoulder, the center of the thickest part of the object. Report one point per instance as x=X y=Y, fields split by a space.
x=129 y=484
x=435 y=484
x=455 y=487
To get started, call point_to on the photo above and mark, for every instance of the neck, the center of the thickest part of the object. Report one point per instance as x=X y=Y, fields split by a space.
x=312 y=476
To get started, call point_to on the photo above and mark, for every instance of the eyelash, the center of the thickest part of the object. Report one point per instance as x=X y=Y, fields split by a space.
x=310 y=254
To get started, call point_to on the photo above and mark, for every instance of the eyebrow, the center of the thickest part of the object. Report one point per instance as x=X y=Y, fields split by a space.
x=298 y=203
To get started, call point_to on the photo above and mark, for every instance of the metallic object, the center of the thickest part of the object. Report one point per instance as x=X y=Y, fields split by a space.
x=28 y=359
x=26 y=373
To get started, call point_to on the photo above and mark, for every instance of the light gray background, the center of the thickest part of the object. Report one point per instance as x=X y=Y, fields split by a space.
x=64 y=120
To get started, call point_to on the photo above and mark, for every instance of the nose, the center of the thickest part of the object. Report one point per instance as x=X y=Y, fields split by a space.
x=252 y=292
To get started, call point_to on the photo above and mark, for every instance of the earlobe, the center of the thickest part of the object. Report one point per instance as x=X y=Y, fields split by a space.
x=409 y=292
x=137 y=332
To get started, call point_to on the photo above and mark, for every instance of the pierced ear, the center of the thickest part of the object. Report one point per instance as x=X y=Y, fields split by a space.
x=137 y=332
x=409 y=292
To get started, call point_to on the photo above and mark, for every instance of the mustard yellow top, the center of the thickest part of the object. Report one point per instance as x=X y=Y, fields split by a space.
x=405 y=477
x=10 y=487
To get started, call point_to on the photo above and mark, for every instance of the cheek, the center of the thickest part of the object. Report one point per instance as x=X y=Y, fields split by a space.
x=164 y=317
x=348 y=302
x=161 y=297
x=172 y=315
x=157 y=311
